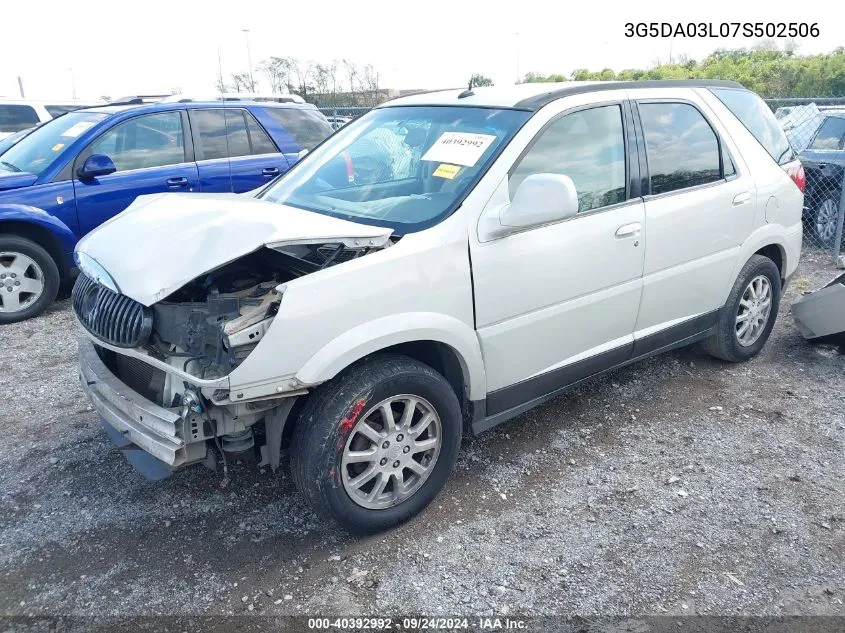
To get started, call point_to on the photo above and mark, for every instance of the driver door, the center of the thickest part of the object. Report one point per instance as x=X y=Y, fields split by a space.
x=558 y=302
x=150 y=155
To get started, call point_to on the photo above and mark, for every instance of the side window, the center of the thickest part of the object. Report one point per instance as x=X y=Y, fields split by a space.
x=220 y=133
x=830 y=134
x=236 y=133
x=589 y=147
x=152 y=140
x=209 y=130
x=14 y=118
x=681 y=147
x=758 y=119
x=307 y=127
x=258 y=139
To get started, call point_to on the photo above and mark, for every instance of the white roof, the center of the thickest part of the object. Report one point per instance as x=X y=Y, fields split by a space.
x=495 y=96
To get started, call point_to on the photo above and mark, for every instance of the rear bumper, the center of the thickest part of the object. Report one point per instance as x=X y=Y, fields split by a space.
x=144 y=424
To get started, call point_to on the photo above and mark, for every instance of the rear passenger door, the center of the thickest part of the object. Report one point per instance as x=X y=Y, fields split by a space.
x=699 y=208
x=233 y=151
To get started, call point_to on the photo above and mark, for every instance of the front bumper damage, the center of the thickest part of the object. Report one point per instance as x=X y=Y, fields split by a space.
x=141 y=428
x=820 y=314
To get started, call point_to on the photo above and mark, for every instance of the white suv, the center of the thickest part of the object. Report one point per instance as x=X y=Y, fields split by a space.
x=438 y=266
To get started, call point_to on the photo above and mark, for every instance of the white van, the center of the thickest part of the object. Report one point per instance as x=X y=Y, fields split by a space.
x=17 y=115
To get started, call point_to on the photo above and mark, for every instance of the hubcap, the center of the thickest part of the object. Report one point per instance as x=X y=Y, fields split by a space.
x=826 y=217
x=21 y=281
x=391 y=451
x=755 y=306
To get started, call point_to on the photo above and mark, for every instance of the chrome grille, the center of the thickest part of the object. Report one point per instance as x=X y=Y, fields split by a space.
x=111 y=317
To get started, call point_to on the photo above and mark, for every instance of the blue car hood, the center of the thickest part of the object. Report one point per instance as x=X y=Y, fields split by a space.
x=16 y=180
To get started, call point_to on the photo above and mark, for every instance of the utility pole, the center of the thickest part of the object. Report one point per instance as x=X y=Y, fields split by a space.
x=249 y=59
x=220 y=73
x=72 y=84
x=20 y=87
x=518 y=78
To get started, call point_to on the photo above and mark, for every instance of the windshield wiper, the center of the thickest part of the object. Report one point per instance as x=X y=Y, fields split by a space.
x=9 y=165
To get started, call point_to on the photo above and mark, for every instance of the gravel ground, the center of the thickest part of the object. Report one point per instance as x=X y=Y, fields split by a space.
x=680 y=485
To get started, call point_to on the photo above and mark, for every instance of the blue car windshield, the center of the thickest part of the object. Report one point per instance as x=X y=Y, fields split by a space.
x=405 y=168
x=38 y=150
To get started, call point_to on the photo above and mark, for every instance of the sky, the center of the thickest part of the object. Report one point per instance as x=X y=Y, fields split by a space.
x=158 y=46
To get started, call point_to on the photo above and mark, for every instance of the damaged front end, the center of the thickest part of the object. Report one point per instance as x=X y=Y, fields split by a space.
x=159 y=374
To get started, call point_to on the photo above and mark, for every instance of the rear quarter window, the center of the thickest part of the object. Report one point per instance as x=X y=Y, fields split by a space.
x=758 y=119
x=308 y=128
x=16 y=117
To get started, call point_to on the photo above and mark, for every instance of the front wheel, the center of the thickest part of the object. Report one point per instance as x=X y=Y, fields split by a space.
x=29 y=279
x=747 y=318
x=375 y=445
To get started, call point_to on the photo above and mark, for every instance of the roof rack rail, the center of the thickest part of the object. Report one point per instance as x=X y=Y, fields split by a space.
x=138 y=99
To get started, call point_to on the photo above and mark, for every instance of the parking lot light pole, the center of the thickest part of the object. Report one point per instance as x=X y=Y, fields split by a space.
x=249 y=61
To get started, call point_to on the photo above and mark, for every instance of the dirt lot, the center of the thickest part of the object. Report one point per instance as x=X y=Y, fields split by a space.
x=681 y=485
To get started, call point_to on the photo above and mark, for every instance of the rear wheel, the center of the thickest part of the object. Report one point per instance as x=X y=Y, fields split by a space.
x=375 y=445
x=825 y=217
x=29 y=279
x=747 y=318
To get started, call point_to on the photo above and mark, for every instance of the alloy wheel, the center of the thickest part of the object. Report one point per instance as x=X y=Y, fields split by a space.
x=391 y=451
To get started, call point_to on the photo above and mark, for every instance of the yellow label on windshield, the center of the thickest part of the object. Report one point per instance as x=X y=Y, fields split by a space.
x=57 y=147
x=447 y=171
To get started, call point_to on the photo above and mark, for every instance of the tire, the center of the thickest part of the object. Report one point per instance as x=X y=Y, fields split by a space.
x=330 y=426
x=23 y=263
x=727 y=340
x=823 y=220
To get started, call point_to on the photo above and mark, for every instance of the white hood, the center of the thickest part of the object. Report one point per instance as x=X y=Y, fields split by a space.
x=163 y=241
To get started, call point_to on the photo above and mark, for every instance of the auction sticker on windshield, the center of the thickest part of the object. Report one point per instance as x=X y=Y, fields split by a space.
x=459 y=148
x=77 y=128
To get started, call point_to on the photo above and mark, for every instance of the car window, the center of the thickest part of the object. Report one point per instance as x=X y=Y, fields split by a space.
x=384 y=155
x=16 y=117
x=589 y=147
x=43 y=146
x=220 y=133
x=758 y=119
x=831 y=134
x=681 y=147
x=308 y=127
x=152 y=140
x=258 y=139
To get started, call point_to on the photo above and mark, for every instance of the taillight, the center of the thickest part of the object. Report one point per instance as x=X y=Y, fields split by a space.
x=796 y=172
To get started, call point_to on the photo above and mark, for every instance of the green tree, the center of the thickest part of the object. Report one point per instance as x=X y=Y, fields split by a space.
x=480 y=80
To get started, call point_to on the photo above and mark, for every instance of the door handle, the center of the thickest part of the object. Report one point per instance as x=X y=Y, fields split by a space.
x=176 y=183
x=270 y=171
x=629 y=230
x=742 y=198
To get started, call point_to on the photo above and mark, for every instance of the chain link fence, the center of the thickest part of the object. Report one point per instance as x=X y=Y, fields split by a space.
x=816 y=131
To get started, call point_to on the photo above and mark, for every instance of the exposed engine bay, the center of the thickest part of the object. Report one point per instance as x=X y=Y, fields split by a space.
x=212 y=324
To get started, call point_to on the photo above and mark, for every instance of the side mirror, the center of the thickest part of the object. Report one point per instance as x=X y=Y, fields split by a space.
x=540 y=199
x=96 y=165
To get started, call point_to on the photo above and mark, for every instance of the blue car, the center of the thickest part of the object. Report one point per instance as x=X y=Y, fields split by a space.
x=73 y=173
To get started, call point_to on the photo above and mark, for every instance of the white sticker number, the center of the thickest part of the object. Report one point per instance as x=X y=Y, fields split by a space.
x=459 y=148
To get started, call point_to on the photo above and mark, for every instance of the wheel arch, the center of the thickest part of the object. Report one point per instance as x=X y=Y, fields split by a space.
x=444 y=343
x=42 y=228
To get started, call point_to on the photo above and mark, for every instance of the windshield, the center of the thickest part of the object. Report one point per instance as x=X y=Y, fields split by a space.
x=403 y=167
x=38 y=150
